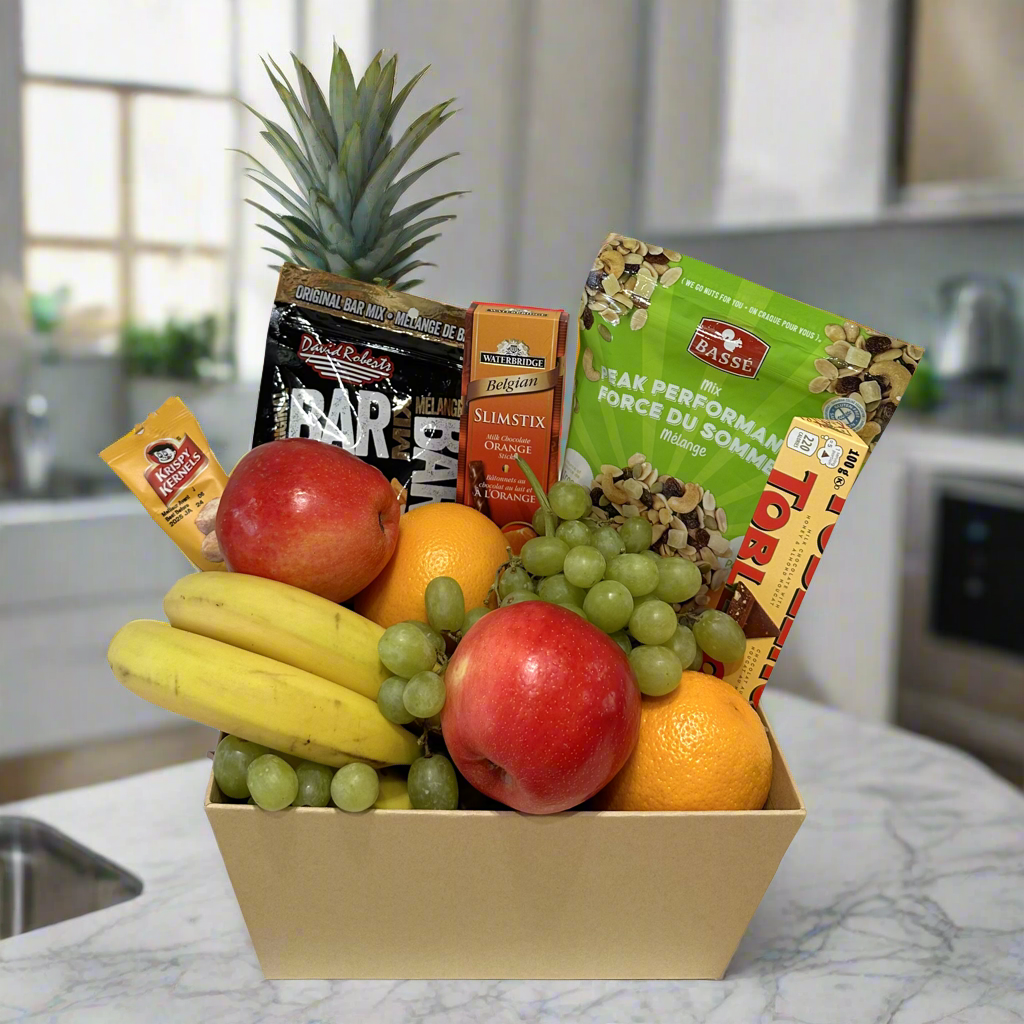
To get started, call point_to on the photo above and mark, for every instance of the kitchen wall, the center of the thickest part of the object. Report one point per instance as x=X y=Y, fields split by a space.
x=884 y=275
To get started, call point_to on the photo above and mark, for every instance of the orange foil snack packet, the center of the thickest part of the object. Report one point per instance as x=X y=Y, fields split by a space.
x=512 y=380
x=167 y=463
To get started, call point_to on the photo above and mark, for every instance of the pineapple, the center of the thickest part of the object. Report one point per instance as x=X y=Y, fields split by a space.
x=341 y=214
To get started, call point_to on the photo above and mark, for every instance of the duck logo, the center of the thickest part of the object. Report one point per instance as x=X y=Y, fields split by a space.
x=173 y=465
x=728 y=347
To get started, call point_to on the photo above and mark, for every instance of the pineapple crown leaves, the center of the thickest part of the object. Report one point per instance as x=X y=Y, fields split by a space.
x=341 y=213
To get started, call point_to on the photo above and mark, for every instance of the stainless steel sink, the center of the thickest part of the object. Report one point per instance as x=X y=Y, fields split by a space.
x=45 y=877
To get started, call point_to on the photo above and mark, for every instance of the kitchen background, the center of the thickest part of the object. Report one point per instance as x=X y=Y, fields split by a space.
x=866 y=156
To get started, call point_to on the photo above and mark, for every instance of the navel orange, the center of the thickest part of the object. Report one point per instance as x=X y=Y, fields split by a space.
x=439 y=539
x=701 y=748
x=516 y=535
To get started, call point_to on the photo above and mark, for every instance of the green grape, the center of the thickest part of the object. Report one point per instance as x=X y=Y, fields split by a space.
x=473 y=616
x=637 y=574
x=637 y=534
x=314 y=785
x=698 y=659
x=405 y=650
x=720 y=636
x=568 y=500
x=518 y=597
x=230 y=763
x=574 y=533
x=584 y=566
x=590 y=504
x=446 y=607
x=643 y=599
x=608 y=542
x=538 y=521
x=651 y=554
x=574 y=608
x=558 y=590
x=621 y=637
x=591 y=526
x=432 y=784
x=515 y=577
x=431 y=634
x=678 y=579
x=272 y=782
x=681 y=642
x=424 y=695
x=608 y=605
x=653 y=622
x=543 y=556
x=355 y=787
x=389 y=700
x=657 y=669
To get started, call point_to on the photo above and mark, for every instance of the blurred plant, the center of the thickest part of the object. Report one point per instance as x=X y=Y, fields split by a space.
x=46 y=325
x=925 y=391
x=47 y=310
x=180 y=349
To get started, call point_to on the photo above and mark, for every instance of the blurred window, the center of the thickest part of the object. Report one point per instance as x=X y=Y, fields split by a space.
x=131 y=191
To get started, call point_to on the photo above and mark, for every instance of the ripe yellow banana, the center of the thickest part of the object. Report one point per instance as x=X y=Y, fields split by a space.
x=255 y=697
x=280 y=622
x=394 y=793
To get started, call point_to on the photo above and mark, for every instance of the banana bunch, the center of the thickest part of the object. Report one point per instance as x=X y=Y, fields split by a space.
x=266 y=662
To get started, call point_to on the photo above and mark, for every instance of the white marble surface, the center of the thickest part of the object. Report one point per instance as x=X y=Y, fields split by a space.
x=901 y=901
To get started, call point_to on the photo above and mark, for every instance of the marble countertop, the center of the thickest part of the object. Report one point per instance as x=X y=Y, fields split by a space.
x=900 y=901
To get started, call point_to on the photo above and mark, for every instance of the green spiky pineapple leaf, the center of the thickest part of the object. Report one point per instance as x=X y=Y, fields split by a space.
x=342 y=215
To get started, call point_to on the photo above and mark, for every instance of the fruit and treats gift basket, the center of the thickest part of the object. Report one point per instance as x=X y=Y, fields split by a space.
x=407 y=600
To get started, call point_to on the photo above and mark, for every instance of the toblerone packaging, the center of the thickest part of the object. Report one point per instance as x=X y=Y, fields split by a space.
x=167 y=463
x=777 y=558
x=512 y=379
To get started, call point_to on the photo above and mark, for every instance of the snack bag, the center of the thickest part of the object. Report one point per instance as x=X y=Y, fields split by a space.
x=375 y=371
x=688 y=382
x=167 y=463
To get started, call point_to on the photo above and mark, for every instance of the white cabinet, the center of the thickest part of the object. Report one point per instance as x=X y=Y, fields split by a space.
x=774 y=114
x=71 y=574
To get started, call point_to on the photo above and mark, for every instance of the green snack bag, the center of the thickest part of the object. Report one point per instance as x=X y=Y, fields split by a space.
x=687 y=381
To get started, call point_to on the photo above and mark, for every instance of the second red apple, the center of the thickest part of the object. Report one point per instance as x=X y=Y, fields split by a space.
x=542 y=707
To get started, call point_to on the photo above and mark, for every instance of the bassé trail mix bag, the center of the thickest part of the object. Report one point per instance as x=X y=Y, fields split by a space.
x=688 y=382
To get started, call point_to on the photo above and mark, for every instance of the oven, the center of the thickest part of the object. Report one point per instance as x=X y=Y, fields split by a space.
x=961 y=640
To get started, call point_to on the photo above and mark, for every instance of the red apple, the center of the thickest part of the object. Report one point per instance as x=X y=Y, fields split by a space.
x=542 y=707
x=309 y=514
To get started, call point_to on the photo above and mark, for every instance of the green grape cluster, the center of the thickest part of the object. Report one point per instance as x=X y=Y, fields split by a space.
x=415 y=654
x=613 y=579
x=274 y=780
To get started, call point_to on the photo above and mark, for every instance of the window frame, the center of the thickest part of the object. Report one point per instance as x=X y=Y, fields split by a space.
x=124 y=245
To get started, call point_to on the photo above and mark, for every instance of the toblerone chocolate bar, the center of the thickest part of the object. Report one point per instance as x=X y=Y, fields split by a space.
x=512 y=378
x=806 y=490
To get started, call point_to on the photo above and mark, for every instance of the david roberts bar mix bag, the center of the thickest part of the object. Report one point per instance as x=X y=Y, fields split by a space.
x=375 y=371
x=688 y=384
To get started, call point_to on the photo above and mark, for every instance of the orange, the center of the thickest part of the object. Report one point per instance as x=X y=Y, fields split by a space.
x=439 y=539
x=516 y=535
x=701 y=748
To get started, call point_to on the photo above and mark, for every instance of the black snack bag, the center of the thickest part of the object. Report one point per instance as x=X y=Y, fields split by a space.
x=375 y=371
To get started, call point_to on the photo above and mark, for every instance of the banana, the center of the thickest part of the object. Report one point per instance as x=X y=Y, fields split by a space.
x=394 y=793
x=280 y=622
x=255 y=697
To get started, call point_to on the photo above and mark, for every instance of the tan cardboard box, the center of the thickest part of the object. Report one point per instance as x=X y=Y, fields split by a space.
x=497 y=894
